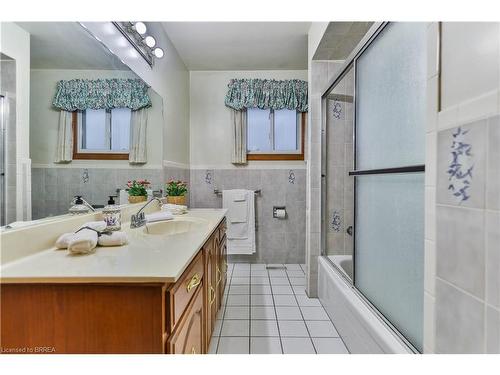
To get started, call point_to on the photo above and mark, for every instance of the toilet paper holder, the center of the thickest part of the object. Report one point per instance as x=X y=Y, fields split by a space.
x=278 y=212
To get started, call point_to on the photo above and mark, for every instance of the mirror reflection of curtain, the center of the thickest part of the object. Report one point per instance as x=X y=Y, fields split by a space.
x=82 y=94
x=138 y=142
x=64 y=146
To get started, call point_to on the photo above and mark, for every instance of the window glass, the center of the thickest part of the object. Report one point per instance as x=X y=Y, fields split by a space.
x=120 y=129
x=285 y=130
x=94 y=130
x=259 y=137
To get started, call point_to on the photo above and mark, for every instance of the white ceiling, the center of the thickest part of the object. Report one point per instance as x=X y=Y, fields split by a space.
x=67 y=45
x=240 y=45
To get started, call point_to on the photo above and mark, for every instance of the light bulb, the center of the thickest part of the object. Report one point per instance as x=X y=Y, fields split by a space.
x=150 y=41
x=140 y=27
x=158 y=52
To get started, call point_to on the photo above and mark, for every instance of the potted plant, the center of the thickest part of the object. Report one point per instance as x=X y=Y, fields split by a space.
x=176 y=192
x=137 y=190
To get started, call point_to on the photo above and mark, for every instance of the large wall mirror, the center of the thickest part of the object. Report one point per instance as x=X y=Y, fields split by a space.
x=85 y=105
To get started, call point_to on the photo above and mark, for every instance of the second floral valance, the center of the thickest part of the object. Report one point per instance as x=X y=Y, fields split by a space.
x=81 y=94
x=265 y=94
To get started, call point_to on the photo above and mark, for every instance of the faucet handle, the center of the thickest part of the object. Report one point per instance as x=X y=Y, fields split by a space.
x=137 y=220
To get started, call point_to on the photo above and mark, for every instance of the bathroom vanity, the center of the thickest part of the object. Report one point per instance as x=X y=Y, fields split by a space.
x=159 y=294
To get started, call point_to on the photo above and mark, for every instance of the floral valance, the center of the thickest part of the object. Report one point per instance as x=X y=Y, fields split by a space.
x=81 y=94
x=267 y=93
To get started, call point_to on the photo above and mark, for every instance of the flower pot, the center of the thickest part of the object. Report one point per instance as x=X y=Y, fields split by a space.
x=177 y=200
x=136 y=198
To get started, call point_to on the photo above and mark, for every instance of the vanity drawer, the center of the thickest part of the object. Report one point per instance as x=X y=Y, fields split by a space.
x=184 y=289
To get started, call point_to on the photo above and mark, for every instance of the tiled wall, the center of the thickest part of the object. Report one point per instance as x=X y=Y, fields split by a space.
x=53 y=188
x=468 y=238
x=277 y=240
x=339 y=161
x=321 y=73
x=462 y=259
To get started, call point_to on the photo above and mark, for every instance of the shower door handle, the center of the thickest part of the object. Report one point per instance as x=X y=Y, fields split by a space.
x=349 y=230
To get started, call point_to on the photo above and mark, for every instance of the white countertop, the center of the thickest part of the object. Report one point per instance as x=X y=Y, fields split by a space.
x=147 y=257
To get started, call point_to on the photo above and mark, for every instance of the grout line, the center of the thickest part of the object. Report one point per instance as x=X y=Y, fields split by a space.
x=250 y=310
x=303 y=320
x=275 y=312
x=228 y=286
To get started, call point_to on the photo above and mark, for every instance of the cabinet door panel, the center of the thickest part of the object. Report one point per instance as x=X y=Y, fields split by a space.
x=188 y=337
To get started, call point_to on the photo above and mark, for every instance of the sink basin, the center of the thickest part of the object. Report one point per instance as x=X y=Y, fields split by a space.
x=176 y=226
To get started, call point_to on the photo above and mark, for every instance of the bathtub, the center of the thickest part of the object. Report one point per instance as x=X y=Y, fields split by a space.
x=362 y=330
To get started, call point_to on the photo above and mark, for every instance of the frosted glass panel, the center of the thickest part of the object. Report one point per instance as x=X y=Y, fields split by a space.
x=285 y=130
x=390 y=98
x=389 y=245
x=259 y=130
x=94 y=132
x=120 y=129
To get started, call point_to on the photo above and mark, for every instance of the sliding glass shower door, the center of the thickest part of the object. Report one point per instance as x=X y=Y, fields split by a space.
x=383 y=180
x=389 y=178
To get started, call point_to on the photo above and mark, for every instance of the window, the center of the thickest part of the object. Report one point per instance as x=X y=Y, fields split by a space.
x=275 y=134
x=101 y=134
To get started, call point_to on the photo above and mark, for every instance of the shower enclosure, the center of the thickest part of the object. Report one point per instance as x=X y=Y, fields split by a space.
x=373 y=168
x=8 y=165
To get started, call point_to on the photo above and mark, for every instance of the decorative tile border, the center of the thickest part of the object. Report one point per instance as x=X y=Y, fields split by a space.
x=461 y=166
x=336 y=221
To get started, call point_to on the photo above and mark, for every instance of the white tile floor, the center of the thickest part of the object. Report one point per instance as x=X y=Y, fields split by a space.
x=266 y=311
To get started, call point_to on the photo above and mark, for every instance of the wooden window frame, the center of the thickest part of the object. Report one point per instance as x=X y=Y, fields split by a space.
x=91 y=155
x=276 y=156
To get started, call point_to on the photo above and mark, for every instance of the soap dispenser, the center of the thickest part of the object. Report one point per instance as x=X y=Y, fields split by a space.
x=78 y=207
x=112 y=215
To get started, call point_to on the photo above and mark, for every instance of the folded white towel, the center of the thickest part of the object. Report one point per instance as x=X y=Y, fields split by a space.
x=97 y=225
x=175 y=209
x=237 y=204
x=159 y=216
x=113 y=239
x=83 y=242
x=240 y=195
x=63 y=240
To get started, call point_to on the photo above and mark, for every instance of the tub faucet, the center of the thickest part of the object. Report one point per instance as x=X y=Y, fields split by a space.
x=139 y=219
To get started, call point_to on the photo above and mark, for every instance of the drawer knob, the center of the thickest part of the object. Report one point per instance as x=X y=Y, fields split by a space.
x=194 y=282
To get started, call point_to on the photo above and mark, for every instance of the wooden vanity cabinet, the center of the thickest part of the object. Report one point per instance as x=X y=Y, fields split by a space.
x=96 y=318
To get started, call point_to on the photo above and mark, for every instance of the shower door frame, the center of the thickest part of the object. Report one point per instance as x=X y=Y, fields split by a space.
x=3 y=156
x=350 y=63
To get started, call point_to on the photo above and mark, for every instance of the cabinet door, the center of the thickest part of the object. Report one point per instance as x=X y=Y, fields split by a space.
x=188 y=338
x=214 y=300
x=223 y=267
x=209 y=290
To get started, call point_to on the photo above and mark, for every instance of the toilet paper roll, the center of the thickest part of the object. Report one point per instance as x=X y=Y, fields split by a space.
x=280 y=213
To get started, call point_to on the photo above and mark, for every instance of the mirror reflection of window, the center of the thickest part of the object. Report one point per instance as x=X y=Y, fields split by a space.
x=104 y=130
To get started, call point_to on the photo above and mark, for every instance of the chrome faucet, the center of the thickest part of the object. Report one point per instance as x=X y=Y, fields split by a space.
x=139 y=219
